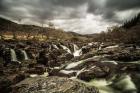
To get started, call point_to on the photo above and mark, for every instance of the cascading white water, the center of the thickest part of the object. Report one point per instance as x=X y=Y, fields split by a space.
x=13 y=55
x=25 y=55
x=90 y=44
x=113 y=62
x=66 y=48
x=124 y=83
x=75 y=47
x=79 y=72
x=55 y=46
x=109 y=47
x=75 y=64
x=77 y=53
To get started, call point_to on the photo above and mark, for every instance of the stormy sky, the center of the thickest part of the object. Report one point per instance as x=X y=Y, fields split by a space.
x=82 y=16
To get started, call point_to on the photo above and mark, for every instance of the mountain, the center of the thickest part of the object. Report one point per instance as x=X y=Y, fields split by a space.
x=8 y=26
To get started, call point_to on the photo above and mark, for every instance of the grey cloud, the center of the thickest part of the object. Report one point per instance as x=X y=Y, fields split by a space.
x=114 y=6
x=69 y=3
x=42 y=10
x=123 y=4
x=108 y=8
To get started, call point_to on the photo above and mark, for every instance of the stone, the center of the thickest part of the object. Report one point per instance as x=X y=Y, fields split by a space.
x=5 y=84
x=52 y=85
x=39 y=69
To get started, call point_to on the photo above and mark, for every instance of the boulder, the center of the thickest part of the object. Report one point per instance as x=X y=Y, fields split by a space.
x=52 y=85
x=93 y=69
x=5 y=84
x=38 y=69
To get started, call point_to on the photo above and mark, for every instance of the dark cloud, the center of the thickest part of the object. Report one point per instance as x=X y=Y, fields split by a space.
x=68 y=3
x=123 y=4
x=42 y=10
x=114 y=6
x=2 y=6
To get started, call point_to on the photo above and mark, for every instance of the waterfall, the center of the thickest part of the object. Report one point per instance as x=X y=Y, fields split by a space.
x=90 y=44
x=75 y=47
x=65 y=48
x=55 y=46
x=13 y=55
x=110 y=47
x=73 y=65
x=100 y=47
x=77 y=53
x=80 y=71
x=25 y=54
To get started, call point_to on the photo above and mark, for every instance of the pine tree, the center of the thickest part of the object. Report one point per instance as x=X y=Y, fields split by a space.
x=132 y=22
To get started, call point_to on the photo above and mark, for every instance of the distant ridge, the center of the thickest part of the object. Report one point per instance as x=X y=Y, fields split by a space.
x=9 y=26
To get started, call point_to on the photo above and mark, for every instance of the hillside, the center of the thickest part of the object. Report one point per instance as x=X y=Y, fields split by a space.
x=129 y=32
x=9 y=27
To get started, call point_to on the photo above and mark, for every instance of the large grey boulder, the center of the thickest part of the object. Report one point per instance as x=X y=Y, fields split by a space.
x=52 y=85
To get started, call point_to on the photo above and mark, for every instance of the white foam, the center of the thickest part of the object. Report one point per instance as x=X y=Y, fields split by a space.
x=67 y=72
x=45 y=74
x=80 y=71
x=74 y=64
x=36 y=75
x=77 y=53
x=114 y=62
x=25 y=55
x=13 y=55
x=66 y=48
x=126 y=83
x=75 y=47
x=55 y=46
x=56 y=67
x=115 y=46
x=33 y=75
x=90 y=44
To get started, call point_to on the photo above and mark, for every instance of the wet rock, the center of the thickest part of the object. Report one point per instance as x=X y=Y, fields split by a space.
x=65 y=57
x=128 y=67
x=63 y=73
x=97 y=70
x=39 y=69
x=5 y=84
x=52 y=85
x=20 y=55
x=85 y=50
x=15 y=78
x=69 y=56
x=53 y=71
x=43 y=58
x=125 y=54
x=89 y=74
x=125 y=57
x=88 y=55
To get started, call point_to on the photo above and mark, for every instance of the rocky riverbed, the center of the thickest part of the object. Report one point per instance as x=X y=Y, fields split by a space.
x=69 y=67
